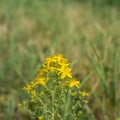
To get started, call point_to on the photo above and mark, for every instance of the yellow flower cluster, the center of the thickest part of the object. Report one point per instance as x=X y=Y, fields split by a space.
x=53 y=86
x=74 y=83
x=55 y=65
x=83 y=93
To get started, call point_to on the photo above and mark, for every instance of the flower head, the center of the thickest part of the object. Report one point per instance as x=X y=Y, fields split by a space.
x=28 y=88
x=74 y=83
x=41 y=81
x=65 y=72
x=83 y=93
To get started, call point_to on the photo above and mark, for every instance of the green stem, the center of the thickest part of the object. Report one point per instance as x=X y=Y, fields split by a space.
x=67 y=104
x=53 y=109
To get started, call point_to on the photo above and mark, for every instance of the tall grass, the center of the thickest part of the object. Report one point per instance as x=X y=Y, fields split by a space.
x=100 y=2
x=88 y=36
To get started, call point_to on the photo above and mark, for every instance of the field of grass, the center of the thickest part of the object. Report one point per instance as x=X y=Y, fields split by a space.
x=88 y=36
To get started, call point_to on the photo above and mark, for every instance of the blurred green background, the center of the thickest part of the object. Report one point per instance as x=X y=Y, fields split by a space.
x=86 y=32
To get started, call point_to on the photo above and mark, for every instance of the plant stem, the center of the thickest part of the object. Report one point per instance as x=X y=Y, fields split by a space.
x=67 y=105
x=53 y=109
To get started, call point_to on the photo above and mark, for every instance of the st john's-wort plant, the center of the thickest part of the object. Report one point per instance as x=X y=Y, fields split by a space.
x=54 y=94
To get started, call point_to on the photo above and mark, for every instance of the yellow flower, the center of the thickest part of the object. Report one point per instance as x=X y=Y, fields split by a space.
x=40 y=117
x=59 y=56
x=63 y=63
x=65 y=72
x=60 y=60
x=41 y=81
x=83 y=93
x=49 y=60
x=46 y=67
x=74 y=83
x=28 y=88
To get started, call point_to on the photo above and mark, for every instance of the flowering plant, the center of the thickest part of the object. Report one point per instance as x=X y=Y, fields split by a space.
x=54 y=94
